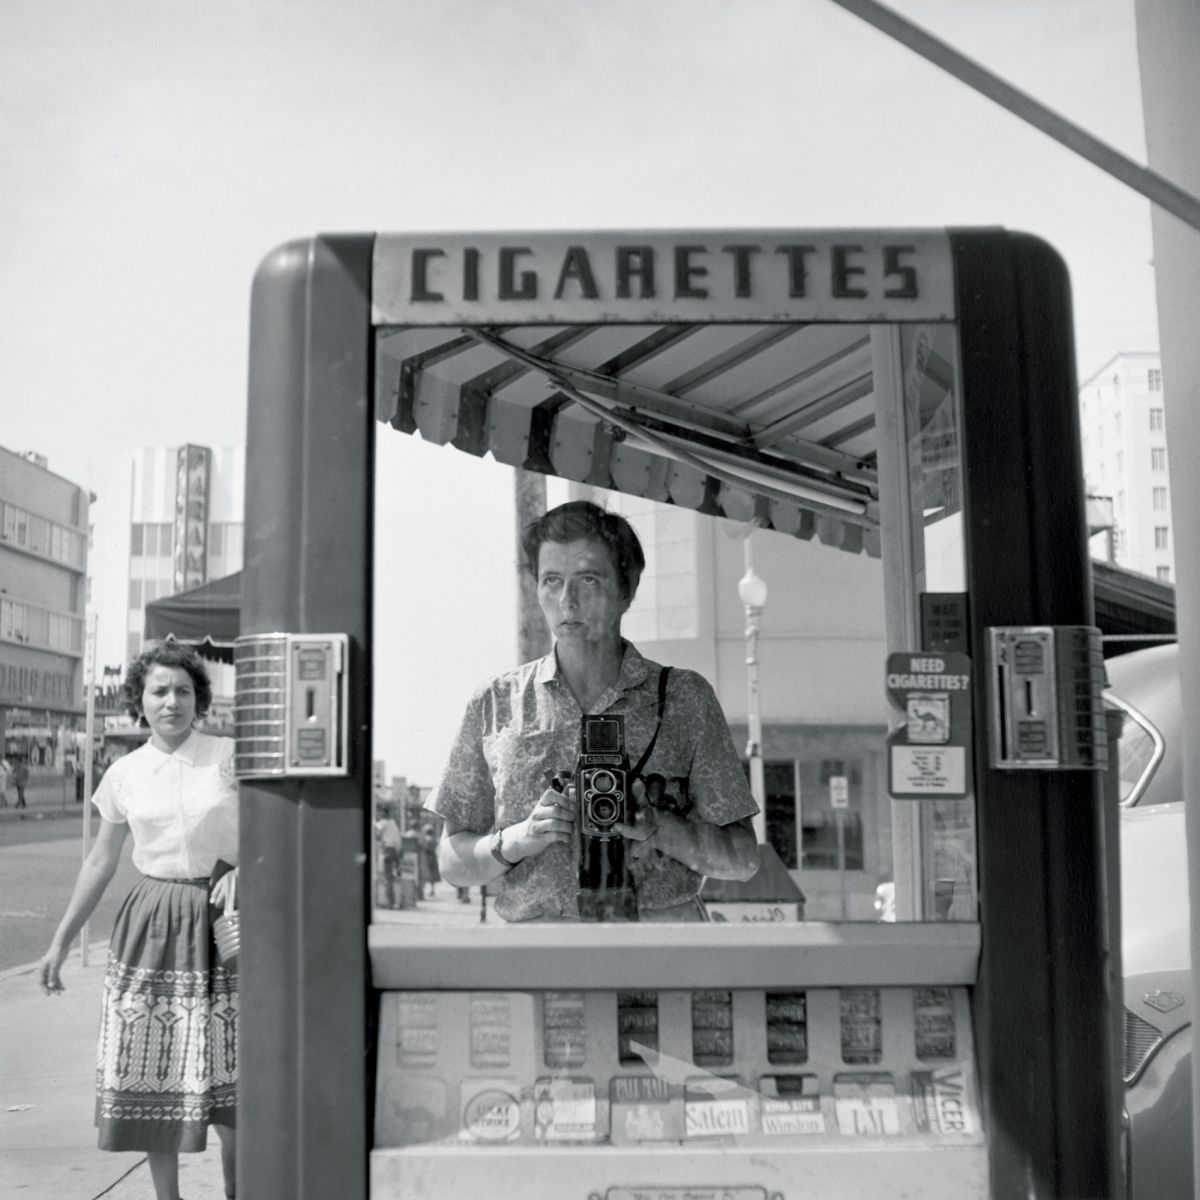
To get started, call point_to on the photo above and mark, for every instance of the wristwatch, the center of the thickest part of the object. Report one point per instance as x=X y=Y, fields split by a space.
x=497 y=849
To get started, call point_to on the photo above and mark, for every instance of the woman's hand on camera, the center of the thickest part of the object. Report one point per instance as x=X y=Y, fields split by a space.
x=551 y=820
x=49 y=970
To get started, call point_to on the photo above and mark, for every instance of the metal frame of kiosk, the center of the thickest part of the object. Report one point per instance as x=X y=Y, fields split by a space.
x=1041 y=967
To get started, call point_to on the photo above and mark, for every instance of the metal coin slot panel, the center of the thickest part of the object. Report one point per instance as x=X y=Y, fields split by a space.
x=1046 y=708
x=290 y=705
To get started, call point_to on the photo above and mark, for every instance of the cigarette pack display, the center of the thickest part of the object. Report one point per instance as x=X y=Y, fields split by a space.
x=933 y=1023
x=712 y=1028
x=718 y=1107
x=564 y=1030
x=943 y=1100
x=492 y=1111
x=787 y=1028
x=865 y=1103
x=791 y=1106
x=644 y=1108
x=565 y=1110
x=491 y=1030
x=637 y=1021
x=861 y=1026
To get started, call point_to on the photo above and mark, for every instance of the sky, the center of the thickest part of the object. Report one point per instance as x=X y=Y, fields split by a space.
x=153 y=154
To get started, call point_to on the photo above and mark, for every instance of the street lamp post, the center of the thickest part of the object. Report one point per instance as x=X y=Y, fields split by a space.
x=752 y=590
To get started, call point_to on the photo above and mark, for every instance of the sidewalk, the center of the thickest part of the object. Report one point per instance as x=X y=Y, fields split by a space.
x=47 y=1098
x=46 y=799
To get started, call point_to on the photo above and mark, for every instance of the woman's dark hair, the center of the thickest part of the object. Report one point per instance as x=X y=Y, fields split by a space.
x=582 y=520
x=167 y=653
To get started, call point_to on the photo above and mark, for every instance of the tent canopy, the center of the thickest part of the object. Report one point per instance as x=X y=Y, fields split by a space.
x=207 y=617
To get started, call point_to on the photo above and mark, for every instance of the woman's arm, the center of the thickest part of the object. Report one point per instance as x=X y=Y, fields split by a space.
x=94 y=877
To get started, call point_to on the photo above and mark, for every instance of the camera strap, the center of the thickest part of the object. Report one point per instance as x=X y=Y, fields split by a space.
x=662 y=705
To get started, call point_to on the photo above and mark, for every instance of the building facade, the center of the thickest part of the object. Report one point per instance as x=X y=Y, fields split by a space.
x=1123 y=423
x=43 y=601
x=185 y=524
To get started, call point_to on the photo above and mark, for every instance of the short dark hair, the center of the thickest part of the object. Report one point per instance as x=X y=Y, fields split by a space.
x=167 y=653
x=582 y=520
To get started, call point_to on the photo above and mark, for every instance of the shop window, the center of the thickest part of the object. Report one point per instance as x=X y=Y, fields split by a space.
x=819 y=819
x=779 y=779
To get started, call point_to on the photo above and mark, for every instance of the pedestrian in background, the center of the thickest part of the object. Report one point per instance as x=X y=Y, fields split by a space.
x=430 y=873
x=167 y=1061
x=20 y=779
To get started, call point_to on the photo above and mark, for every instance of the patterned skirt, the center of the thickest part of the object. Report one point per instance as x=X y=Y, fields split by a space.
x=166 y=1066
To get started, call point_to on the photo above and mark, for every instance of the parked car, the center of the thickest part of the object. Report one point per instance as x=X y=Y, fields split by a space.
x=1155 y=925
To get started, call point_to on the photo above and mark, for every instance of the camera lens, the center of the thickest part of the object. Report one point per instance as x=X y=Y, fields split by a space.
x=603 y=810
x=604 y=781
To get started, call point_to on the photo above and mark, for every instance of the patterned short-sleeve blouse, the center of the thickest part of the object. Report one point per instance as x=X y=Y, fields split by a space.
x=525 y=723
x=181 y=808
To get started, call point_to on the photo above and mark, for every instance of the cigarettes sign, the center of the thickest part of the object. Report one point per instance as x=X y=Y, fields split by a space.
x=694 y=275
x=929 y=751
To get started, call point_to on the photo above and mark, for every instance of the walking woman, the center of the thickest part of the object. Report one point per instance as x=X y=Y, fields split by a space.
x=167 y=1057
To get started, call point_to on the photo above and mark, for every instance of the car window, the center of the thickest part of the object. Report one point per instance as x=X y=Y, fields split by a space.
x=1139 y=750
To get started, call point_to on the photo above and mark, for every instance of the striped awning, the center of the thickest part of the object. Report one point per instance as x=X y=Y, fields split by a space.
x=771 y=422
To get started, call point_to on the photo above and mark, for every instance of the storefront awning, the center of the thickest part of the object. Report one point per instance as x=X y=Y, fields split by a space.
x=207 y=617
x=772 y=423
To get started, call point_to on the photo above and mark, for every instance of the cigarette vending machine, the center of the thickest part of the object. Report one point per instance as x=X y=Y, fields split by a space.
x=904 y=397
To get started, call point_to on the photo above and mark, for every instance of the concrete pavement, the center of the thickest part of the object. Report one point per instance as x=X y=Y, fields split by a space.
x=47 y=1098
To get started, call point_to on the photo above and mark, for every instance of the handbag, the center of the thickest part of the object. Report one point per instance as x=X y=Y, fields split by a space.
x=227 y=930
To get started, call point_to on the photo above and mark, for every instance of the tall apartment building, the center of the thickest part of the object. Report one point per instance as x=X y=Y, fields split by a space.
x=1123 y=422
x=185 y=513
x=43 y=599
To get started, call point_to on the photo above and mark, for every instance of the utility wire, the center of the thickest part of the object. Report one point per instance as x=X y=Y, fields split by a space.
x=1167 y=195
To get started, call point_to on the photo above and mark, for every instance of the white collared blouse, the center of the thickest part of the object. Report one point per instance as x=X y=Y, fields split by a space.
x=181 y=808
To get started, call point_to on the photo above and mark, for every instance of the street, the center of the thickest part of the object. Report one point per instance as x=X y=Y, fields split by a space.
x=39 y=859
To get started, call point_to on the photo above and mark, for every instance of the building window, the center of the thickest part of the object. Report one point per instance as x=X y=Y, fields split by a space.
x=1163 y=573
x=1120 y=462
x=136 y=539
x=1158 y=458
x=1160 y=537
x=1154 y=379
x=135 y=593
x=819 y=819
x=1157 y=423
x=216 y=541
x=1160 y=499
